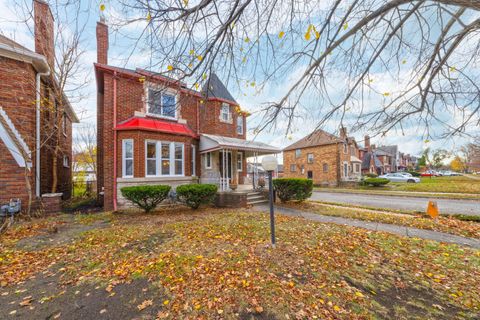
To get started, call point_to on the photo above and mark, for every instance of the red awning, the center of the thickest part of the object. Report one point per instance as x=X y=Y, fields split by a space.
x=156 y=125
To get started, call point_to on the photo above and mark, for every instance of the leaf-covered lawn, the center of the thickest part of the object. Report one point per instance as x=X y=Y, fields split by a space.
x=445 y=224
x=216 y=264
x=456 y=184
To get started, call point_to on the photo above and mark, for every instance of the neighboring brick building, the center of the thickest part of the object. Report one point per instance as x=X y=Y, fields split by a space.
x=152 y=129
x=21 y=104
x=324 y=158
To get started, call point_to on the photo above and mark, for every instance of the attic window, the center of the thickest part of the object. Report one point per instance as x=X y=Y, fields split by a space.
x=161 y=103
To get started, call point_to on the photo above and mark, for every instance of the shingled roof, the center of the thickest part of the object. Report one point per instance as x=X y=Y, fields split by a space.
x=316 y=138
x=214 y=88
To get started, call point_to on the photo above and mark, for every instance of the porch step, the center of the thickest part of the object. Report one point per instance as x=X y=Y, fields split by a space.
x=256 y=198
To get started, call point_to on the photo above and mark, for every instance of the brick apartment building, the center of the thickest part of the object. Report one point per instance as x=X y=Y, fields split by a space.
x=152 y=129
x=323 y=157
x=30 y=107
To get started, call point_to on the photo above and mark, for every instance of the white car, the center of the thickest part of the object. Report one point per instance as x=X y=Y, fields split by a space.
x=400 y=177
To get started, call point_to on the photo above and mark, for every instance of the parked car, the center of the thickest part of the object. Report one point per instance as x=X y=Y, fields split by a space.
x=400 y=177
x=430 y=173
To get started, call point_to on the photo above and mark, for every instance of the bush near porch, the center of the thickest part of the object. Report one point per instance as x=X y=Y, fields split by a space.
x=146 y=197
x=194 y=195
x=293 y=188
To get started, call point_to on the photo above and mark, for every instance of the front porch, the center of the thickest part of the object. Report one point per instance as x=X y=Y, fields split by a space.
x=224 y=162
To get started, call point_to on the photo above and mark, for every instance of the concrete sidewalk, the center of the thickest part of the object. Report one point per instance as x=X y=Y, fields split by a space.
x=377 y=226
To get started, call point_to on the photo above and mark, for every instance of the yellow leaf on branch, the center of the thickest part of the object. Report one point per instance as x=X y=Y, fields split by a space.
x=281 y=34
x=170 y=67
x=102 y=7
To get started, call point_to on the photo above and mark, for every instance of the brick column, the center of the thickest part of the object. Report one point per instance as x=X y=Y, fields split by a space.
x=52 y=202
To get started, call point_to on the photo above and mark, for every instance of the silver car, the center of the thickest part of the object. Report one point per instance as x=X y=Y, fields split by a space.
x=400 y=177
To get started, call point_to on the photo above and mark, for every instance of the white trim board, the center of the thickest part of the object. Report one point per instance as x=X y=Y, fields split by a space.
x=14 y=144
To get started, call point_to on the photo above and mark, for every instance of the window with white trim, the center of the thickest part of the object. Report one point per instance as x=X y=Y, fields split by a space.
x=208 y=160
x=194 y=153
x=298 y=153
x=178 y=156
x=310 y=157
x=127 y=158
x=151 y=158
x=164 y=158
x=225 y=114
x=240 y=124
x=345 y=169
x=161 y=103
x=239 y=162
x=66 y=162
x=293 y=167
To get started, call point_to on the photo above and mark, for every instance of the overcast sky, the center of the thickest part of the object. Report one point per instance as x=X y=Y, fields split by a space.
x=411 y=140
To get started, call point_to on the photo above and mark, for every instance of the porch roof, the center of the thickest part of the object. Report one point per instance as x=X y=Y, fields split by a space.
x=209 y=142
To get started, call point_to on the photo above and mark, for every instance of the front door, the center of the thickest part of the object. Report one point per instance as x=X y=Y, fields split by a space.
x=228 y=164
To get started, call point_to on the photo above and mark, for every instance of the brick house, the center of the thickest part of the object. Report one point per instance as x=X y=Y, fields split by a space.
x=152 y=129
x=323 y=157
x=30 y=107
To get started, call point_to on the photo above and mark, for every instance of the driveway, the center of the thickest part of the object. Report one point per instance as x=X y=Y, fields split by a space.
x=446 y=206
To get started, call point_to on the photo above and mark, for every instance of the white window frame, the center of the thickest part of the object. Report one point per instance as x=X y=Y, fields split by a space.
x=174 y=160
x=66 y=162
x=294 y=166
x=124 y=158
x=208 y=159
x=240 y=161
x=345 y=165
x=299 y=151
x=240 y=124
x=308 y=158
x=162 y=93
x=194 y=160
x=228 y=114
x=156 y=158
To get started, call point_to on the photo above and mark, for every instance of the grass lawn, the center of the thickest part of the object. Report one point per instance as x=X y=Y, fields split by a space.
x=446 y=224
x=457 y=184
x=216 y=264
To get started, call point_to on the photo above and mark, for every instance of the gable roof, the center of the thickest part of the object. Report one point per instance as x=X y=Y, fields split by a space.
x=214 y=88
x=317 y=138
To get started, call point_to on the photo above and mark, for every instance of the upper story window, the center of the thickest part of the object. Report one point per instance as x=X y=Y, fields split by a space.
x=225 y=114
x=298 y=153
x=162 y=103
x=293 y=167
x=345 y=148
x=66 y=162
x=310 y=157
x=240 y=124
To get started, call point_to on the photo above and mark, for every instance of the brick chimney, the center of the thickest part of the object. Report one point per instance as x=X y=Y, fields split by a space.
x=44 y=28
x=343 y=133
x=367 y=142
x=102 y=42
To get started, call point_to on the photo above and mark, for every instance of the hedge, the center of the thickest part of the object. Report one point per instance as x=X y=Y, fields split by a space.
x=194 y=195
x=371 y=175
x=146 y=197
x=376 y=182
x=293 y=188
x=414 y=173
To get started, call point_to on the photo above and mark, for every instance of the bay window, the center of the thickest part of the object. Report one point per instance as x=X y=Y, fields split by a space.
x=164 y=158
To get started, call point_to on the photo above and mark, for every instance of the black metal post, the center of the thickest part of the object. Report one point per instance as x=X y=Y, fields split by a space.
x=272 y=216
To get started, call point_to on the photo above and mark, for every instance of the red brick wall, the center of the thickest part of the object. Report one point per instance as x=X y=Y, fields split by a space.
x=17 y=98
x=44 y=31
x=210 y=122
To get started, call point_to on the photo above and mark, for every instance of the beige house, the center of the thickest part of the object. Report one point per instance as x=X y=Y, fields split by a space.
x=324 y=158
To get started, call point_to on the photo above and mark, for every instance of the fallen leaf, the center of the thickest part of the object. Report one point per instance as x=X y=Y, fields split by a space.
x=144 y=304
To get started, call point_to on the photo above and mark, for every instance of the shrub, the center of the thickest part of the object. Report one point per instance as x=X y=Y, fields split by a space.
x=414 y=173
x=371 y=175
x=293 y=188
x=376 y=182
x=194 y=195
x=146 y=197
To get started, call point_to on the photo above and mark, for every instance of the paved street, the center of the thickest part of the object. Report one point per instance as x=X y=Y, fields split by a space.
x=470 y=207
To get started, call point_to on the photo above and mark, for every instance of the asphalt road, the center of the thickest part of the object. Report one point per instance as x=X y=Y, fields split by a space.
x=446 y=206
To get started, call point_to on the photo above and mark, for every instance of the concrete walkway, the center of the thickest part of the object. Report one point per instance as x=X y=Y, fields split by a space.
x=377 y=226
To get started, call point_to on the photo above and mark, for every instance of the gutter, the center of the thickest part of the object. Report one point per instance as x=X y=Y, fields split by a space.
x=37 y=128
x=114 y=141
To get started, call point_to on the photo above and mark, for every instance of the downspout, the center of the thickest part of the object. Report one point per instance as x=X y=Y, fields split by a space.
x=37 y=128
x=115 y=141
x=198 y=118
